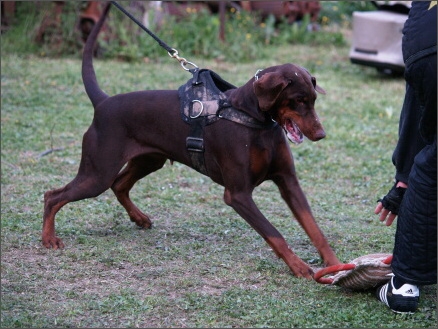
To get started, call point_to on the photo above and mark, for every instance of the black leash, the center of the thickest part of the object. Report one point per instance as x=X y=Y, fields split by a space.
x=171 y=51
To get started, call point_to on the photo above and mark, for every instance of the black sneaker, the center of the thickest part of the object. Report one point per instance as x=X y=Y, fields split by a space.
x=402 y=300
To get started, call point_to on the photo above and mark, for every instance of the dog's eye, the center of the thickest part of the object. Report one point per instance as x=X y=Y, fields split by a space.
x=297 y=101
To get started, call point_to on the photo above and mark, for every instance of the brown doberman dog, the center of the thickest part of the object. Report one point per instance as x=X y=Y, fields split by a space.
x=143 y=129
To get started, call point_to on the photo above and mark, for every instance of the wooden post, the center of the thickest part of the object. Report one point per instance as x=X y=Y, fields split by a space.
x=222 y=21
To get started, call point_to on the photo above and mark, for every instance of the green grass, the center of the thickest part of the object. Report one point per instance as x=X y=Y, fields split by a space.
x=200 y=265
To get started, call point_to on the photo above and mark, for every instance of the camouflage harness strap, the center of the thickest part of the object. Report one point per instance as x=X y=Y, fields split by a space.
x=203 y=102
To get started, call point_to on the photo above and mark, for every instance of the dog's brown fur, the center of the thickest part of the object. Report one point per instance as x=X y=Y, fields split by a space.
x=143 y=129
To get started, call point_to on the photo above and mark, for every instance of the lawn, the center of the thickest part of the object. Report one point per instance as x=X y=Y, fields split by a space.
x=201 y=265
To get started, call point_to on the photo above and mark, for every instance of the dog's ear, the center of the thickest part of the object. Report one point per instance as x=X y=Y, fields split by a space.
x=317 y=88
x=268 y=88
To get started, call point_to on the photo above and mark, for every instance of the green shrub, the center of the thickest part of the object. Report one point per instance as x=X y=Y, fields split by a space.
x=197 y=34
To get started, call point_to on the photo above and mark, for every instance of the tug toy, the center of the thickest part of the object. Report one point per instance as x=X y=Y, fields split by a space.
x=362 y=273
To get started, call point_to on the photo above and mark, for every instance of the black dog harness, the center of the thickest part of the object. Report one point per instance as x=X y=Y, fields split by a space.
x=203 y=102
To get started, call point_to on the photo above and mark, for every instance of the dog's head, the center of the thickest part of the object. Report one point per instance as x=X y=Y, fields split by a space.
x=288 y=92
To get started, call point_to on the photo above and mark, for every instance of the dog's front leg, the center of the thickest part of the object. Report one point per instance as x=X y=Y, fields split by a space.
x=245 y=206
x=294 y=196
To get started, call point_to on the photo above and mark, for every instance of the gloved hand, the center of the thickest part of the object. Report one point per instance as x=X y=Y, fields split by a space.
x=393 y=199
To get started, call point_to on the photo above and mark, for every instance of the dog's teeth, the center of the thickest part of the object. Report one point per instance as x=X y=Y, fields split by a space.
x=293 y=132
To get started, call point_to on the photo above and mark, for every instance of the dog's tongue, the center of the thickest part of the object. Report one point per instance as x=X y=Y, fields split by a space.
x=293 y=132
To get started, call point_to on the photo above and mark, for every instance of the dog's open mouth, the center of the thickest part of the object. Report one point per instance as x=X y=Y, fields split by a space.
x=293 y=132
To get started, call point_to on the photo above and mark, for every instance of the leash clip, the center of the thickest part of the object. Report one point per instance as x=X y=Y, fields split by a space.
x=182 y=60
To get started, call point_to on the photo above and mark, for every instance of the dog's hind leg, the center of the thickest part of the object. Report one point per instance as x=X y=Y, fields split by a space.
x=96 y=174
x=136 y=169
x=82 y=187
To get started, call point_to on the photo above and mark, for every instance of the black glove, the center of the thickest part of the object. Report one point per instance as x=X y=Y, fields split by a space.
x=393 y=199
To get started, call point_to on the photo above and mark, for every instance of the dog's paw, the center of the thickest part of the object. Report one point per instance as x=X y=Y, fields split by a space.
x=141 y=223
x=144 y=225
x=332 y=261
x=53 y=242
x=303 y=272
x=142 y=220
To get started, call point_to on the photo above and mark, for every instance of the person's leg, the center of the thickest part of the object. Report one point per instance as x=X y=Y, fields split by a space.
x=417 y=219
x=415 y=250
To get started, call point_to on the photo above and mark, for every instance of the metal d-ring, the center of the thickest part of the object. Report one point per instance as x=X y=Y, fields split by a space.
x=184 y=63
x=200 y=112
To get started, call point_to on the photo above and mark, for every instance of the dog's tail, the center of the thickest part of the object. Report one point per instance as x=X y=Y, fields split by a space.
x=89 y=79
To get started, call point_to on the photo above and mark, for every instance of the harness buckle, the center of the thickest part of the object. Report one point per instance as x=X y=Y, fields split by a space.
x=195 y=144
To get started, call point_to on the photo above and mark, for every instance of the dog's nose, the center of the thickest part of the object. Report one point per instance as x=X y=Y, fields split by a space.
x=320 y=134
